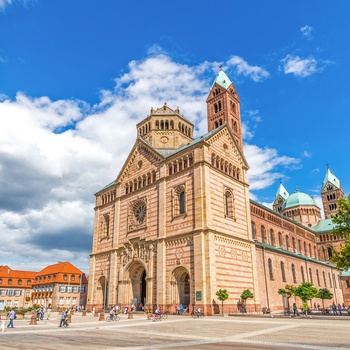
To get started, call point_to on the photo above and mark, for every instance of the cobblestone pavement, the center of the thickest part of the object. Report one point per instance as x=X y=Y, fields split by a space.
x=180 y=332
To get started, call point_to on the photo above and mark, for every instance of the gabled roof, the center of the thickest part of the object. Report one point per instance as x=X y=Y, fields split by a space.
x=281 y=191
x=61 y=267
x=330 y=177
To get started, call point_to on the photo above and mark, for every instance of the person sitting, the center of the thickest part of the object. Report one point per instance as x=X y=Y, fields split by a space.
x=157 y=312
x=112 y=313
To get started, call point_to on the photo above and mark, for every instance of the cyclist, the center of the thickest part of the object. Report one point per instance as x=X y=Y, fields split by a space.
x=198 y=312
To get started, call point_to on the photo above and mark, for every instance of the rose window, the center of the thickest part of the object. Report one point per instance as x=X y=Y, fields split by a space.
x=140 y=213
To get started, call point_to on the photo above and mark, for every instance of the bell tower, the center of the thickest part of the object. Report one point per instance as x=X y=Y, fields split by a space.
x=331 y=193
x=223 y=106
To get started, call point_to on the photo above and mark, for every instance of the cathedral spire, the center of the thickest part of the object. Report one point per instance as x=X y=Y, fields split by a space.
x=223 y=106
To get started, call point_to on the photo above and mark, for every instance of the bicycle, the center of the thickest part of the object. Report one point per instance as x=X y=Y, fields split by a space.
x=198 y=314
x=112 y=318
x=164 y=316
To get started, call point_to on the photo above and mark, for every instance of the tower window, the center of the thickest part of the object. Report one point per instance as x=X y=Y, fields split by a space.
x=229 y=204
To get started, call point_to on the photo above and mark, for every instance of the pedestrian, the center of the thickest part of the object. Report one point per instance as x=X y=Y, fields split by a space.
x=12 y=316
x=176 y=309
x=181 y=309
x=339 y=310
x=334 y=308
x=318 y=307
x=295 y=310
x=63 y=317
x=48 y=312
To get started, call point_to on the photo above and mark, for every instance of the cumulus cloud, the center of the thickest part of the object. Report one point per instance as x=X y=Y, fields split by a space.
x=306 y=32
x=54 y=155
x=243 y=68
x=302 y=67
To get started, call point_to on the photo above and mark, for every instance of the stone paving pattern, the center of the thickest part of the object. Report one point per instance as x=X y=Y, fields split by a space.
x=181 y=332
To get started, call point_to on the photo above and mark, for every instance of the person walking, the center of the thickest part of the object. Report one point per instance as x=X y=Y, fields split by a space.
x=12 y=316
x=334 y=308
x=63 y=317
x=48 y=312
x=295 y=310
x=339 y=310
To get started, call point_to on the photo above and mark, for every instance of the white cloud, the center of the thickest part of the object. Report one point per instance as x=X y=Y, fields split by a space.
x=306 y=31
x=4 y=3
x=54 y=155
x=307 y=154
x=302 y=67
x=242 y=67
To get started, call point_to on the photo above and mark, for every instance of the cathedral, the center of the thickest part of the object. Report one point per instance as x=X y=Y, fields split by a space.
x=177 y=223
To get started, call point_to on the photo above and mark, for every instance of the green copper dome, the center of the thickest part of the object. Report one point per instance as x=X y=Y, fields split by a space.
x=298 y=199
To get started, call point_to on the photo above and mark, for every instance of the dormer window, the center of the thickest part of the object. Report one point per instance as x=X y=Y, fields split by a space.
x=19 y=282
x=10 y=281
x=65 y=277
x=72 y=278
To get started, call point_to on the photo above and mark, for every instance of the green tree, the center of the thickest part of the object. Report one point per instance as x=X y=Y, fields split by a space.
x=246 y=294
x=222 y=296
x=342 y=228
x=288 y=291
x=324 y=293
x=306 y=291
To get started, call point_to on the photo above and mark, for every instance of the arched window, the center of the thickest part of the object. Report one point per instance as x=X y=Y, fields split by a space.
x=299 y=246
x=10 y=281
x=293 y=274
x=280 y=239
x=179 y=201
x=262 y=234
x=302 y=273
x=324 y=279
x=283 y=272
x=253 y=230
x=330 y=252
x=272 y=237
x=310 y=274
x=229 y=204
x=293 y=244
x=287 y=242
x=318 y=278
x=330 y=280
x=269 y=264
x=19 y=282
x=305 y=252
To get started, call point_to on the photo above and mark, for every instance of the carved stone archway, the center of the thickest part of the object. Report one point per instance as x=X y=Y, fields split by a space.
x=180 y=286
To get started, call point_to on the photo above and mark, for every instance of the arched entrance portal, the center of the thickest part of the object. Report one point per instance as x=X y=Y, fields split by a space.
x=181 y=290
x=138 y=284
x=102 y=292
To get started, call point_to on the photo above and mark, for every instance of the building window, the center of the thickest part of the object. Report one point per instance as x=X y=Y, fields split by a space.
x=262 y=234
x=293 y=274
x=334 y=281
x=347 y=283
x=318 y=278
x=65 y=277
x=287 y=242
x=179 y=200
x=68 y=301
x=229 y=204
x=0 y=280
x=330 y=280
x=293 y=244
x=299 y=246
x=302 y=273
x=280 y=239
x=253 y=230
x=283 y=272
x=272 y=238
x=310 y=273
x=324 y=279
x=19 y=282
x=305 y=252
x=61 y=300
x=72 y=278
x=269 y=264
x=10 y=281
x=330 y=253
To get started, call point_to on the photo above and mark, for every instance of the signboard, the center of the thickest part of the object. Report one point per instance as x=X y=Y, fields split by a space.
x=198 y=295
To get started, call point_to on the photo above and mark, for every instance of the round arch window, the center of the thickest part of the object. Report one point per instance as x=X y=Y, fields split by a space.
x=140 y=213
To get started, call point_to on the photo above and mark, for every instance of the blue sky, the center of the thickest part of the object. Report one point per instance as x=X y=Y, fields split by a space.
x=76 y=77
